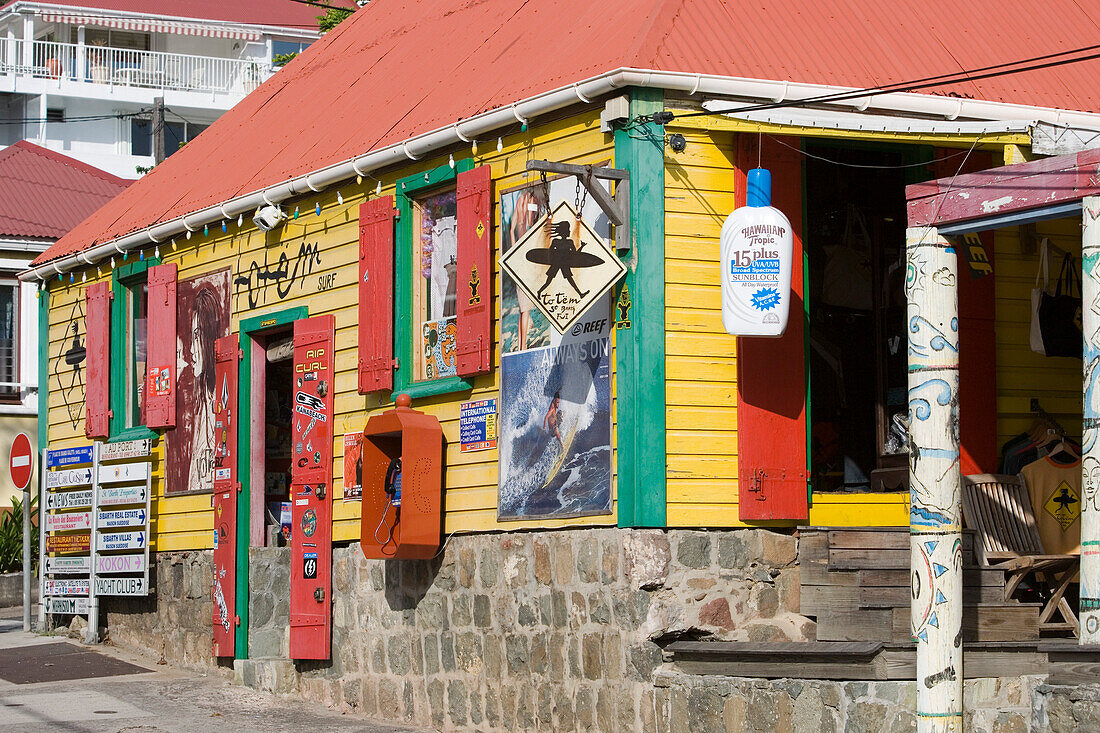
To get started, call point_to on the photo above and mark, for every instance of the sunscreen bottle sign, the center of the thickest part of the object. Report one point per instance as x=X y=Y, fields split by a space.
x=756 y=250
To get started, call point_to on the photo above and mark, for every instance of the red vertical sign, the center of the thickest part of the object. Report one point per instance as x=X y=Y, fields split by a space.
x=771 y=373
x=226 y=486
x=97 y=342
x=311 y=489
x=160 y=392
x=376 y=295
x=475 y=302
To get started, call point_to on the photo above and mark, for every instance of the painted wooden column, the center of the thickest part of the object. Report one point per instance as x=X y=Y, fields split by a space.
x=1089 y=612
x=935 y=479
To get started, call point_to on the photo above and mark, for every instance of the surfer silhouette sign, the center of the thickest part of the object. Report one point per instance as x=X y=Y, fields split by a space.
x=563 y=266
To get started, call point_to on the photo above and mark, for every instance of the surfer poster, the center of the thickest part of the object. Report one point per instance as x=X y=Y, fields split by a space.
x=554 y=436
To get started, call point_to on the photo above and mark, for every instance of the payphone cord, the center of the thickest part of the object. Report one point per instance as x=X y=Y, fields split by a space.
x=381 y=523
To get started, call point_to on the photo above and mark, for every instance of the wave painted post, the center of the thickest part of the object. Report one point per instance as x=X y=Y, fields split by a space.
x=935 y=478
x=1089 y=612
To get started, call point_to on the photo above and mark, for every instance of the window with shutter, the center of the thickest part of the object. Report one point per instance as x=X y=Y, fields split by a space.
x=129 y=340
x=443 y=260
x=97 y=318
x=160 y=387
x=376 y=295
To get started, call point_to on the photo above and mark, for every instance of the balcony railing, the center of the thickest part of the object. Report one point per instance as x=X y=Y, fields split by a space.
x=129 y=68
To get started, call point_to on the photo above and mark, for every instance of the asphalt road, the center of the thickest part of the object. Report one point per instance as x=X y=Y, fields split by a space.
x=133 y=700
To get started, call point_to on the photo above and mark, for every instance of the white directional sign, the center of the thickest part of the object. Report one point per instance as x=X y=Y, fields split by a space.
x=69 y=499
x=66 y=587
x=127 y=449
x=123 y=472
x=121 y=518
x=122 y=541
x=68 y=477
x=67 y=605
x=120 y=563
x=68 y=564
x=115 y=495
x=67 y=522
x=120 y=586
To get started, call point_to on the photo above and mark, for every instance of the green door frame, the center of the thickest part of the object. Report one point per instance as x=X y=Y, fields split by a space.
x=248 y=328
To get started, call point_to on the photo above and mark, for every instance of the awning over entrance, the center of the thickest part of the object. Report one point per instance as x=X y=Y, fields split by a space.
x=154 y=25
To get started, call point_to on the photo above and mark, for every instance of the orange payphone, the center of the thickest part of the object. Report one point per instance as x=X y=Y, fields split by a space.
x=402 y=484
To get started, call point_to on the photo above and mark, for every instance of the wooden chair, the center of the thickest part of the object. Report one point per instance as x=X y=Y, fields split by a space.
x=999 y=509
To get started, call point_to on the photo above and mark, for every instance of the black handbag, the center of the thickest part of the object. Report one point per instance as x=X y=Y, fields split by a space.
x=1060 y=313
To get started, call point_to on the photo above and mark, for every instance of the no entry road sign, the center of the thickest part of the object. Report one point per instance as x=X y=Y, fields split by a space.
x=20 y=462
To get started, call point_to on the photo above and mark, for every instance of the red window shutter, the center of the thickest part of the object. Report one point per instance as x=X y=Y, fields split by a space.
x=376 y=295
x=226 y=356
x=160 y=392
x=771 y=373
x=97 y=374
x=475 y=301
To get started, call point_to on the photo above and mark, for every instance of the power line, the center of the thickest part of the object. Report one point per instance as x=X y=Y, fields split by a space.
x=985 y=72
x=85 y=118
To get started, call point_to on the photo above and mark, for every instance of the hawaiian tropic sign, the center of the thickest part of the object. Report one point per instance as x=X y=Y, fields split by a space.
x=563 y=266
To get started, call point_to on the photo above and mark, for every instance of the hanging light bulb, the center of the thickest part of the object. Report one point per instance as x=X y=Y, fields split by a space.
x=172 y=246
x=141 y=255
x=473 y=147
x=98 y=271
x=318 y=209
x=72 y=278
x=240 y=220
x=188 y=233
x=378 y=189
x=206 y=230
x=451 y=161
x=500 y=144
x=112 y=262
x=225 y=227
x=83 y=277
x=339 y=198
x=359 y=180
x=156 y=251
x=295 y=212
x=125 y=254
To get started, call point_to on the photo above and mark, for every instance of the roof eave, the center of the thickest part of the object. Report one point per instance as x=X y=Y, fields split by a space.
x=581 y=92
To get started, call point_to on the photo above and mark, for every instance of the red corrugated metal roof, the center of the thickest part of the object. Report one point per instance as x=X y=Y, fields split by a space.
x=398 y=68
x=285 y=13
x=44 y=194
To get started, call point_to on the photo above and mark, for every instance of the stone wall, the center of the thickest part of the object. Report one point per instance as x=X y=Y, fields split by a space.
x=176 y=621
x=532 y=631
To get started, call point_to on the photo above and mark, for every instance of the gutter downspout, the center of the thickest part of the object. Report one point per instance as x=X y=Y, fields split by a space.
x=561 y=98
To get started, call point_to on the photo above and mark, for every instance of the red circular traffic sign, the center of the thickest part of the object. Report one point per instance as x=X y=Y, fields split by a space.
x=21 y=461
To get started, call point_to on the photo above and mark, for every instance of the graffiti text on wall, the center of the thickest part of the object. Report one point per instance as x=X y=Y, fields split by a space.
x=254 y=279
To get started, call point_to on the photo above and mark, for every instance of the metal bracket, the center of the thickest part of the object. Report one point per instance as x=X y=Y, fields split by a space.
x=616 y=207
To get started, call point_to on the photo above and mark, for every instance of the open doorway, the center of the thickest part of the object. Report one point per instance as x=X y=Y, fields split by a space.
x=856 y=342
x=271 y=438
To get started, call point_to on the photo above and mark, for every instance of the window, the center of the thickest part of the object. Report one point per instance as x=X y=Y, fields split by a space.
x=176 y=133
x=435 y=283
x=282 y=52
x=129 y=348
x=9 y=340
x=112 y=38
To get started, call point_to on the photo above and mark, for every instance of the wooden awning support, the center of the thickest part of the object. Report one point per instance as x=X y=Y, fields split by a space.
x=616 y=207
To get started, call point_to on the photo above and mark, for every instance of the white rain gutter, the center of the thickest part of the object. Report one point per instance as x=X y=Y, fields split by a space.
x=481 y=125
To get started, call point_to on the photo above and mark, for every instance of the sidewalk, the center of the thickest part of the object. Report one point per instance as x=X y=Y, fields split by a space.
x=137 y=695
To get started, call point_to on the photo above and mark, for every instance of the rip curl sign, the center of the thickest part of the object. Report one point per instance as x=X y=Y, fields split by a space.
x=756 y=251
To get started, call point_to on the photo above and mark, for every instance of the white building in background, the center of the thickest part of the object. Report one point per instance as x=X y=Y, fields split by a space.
x=80 y=78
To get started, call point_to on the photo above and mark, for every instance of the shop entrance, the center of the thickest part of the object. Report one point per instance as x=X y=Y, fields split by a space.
x=271 y=437
x=856 y=342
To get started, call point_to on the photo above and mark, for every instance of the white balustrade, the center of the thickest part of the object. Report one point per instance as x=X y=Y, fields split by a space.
x=129 y=67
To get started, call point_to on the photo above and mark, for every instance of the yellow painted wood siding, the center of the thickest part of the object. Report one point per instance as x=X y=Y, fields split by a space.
x=470 y=500
x=1021 y=373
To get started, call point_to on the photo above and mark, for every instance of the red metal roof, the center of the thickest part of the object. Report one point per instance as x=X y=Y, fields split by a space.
x=44 y=194
x=398 y=68
x=285 y=13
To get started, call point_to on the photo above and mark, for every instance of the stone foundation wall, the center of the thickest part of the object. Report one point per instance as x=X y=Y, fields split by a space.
x=175 y=622
x=548 y=631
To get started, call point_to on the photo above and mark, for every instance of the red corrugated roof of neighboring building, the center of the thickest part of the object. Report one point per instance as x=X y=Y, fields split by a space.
x=44 y=194
x=399 y=68
x=285 y=13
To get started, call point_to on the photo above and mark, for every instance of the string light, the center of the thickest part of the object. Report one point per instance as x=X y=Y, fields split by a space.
x=295 y=212
x=72 y=278
x=141 y=255
x=473 y=148
x=172 y=246
x=339 y=198
x=318 y=209
x=206 y=230
x=112 y=262
x=225 y=226
x=359 y=180
x=451 y=161
x=378 y=189
x=84 y=277
x=500 y=144
x=125 y=254
x=188 y=233
x=240 y=220
x=156 y=251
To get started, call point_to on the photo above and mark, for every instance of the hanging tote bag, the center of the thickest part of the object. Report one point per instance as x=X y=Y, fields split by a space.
x=1037 y=294
x=1060 y=313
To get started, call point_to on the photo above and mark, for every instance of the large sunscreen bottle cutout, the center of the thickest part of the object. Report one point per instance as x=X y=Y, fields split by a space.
x=756 y=247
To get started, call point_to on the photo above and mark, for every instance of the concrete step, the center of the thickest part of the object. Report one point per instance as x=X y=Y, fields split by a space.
x=278 y=676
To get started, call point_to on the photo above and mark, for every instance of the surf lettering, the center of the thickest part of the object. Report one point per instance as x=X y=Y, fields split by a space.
x=283 y=273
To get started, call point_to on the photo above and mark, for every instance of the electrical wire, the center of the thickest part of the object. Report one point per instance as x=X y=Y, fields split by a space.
x=977 y=74
x=901 y=166
x=86 y=118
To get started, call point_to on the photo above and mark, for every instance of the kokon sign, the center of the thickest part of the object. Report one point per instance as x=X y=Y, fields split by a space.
x=756 y=252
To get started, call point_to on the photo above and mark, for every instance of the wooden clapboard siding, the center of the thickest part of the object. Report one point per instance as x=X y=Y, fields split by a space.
x=470 y=501
x=1021 y=373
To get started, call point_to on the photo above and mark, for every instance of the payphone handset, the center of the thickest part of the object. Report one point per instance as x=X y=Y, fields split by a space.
x=393 y=482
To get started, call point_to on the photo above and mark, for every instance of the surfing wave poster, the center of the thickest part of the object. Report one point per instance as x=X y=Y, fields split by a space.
x=554 y=439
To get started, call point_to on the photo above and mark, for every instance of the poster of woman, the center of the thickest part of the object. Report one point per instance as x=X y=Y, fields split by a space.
x=202 y=305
